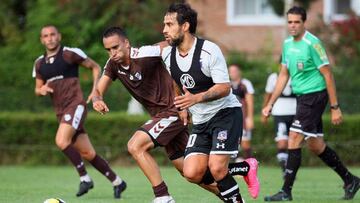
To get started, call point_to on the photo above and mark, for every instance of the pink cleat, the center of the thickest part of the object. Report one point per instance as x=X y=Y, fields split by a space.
x=251 y=178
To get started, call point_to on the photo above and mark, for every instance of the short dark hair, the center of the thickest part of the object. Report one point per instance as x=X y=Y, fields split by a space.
x=298 y=11
x=184 y=14
x=114 y=31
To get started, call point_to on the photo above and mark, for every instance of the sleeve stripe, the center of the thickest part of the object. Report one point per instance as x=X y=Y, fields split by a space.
x=76 y=51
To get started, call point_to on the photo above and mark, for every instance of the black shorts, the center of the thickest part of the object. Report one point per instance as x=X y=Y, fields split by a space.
x=168 y=132
x=282 y=126
x=309 y=110
x=220 y=135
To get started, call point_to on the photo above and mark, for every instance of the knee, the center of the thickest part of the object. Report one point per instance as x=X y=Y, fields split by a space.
x=135 y=149
x=192 y=175
x=218 y=170
x=87 y=154
x=62 y=143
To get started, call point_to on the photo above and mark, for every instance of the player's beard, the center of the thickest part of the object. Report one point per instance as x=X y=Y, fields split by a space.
x=177 y=41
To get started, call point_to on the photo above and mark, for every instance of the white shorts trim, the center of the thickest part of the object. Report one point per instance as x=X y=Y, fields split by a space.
x=224 y=152
x=195 y=153
x=77 y=116
x=307 y=135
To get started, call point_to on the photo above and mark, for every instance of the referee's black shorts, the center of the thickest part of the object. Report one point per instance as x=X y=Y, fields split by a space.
x=309 y=110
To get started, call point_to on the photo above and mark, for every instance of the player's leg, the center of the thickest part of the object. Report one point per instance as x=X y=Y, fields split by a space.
x=63 y=140
x=246 y=144
x=282 y=126
x=87 y=151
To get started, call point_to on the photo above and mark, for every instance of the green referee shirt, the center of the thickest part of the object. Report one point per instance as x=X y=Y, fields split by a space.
x=303 y=59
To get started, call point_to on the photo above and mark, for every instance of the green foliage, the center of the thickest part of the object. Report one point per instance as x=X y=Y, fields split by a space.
x=28 y=138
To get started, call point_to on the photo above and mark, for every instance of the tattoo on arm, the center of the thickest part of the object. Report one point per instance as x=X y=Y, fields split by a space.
x=211 y=95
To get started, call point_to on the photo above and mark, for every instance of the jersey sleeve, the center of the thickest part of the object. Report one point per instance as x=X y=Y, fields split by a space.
x=318 y=54
x=249 y=86
x=108 y=70
x=146 y=51
x=74 y=55
x=217 y=65
x=35 y=72
x=270 y=83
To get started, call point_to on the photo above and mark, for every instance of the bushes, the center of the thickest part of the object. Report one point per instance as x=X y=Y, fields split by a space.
x=28 y=138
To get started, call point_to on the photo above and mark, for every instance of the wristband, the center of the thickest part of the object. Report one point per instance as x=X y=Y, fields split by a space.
x=96 y=98
x=335 y=106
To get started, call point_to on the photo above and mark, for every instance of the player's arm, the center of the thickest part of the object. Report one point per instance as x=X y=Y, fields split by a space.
x=42 y=88
x=162 y=45
x=279 y=87
x=217 y=91
x=336 y=115
x=95 y=68
x=183 y=113
x=266 y=99
x=249 y=120
x=102 y=85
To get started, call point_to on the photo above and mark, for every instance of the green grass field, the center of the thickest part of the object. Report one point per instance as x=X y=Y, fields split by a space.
x=35 y=184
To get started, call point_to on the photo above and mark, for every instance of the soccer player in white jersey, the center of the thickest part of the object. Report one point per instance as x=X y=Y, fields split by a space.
x=304 y=60
x=199 y=69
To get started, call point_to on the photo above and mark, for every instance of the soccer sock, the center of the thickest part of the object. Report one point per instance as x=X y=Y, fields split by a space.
x=239 y=168
x=229 y=189
x=247 y=153
x=282 y=157
x=117 y=181
x=331 y=159
x=104 y=168
x=75 y=159
x=292 y=166
x=85 y=178
x=161 y=190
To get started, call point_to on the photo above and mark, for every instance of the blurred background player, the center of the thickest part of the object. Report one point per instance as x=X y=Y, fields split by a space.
x=57 y=75
x=283 y=112
x=244 y=91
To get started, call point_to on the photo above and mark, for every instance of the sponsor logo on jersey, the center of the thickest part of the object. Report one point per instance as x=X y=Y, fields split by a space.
x=187 y=81
x=67 y=117
x=222 y=135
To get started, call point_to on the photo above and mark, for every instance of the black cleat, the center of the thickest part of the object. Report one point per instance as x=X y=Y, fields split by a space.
x=280 y=196
x=351 y=189
x=119 y=189
x=84 y=188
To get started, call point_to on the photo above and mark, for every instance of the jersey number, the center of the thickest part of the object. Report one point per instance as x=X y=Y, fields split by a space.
x=191 y=140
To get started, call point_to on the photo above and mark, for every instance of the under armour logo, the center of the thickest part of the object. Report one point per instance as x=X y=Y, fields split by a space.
x=218 y=145
x=187 y=81
x=289 y=171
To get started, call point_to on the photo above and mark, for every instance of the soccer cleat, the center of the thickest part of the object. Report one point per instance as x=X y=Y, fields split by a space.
x=351 y=189
x=119 y=189
x=164 y=199
x=280 y=196
x=251 y=178
x=84 y=187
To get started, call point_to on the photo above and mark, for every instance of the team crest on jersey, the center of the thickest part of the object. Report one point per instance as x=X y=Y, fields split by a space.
x=67 y=117
x=138 y=75
x=222 y=135
x=300 y=65
x=187 y=81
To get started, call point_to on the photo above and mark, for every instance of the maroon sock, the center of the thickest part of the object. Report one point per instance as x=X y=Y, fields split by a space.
x=75 y=159
x=101 y=165
x=161 y=190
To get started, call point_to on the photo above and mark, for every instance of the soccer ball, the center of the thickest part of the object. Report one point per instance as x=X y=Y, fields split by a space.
x=54 y=200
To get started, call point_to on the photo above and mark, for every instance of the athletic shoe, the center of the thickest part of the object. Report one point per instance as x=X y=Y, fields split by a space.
x=84 y=187
x=164 y=199
x=352 y=188
x=251 y=178
x=280 y=196
x=119 y=189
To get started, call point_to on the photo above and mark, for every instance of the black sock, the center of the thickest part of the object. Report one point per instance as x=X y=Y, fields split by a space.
x=239 y=168
x=229 y=189
x=292 y=166
x=208 y=177
x=75 y=159
x=104 y=168
x=331 y=159
x=161 y=190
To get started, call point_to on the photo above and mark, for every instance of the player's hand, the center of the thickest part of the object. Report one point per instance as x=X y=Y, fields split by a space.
x=184 y=115
x=266 y=110
x=92 y=94
x=336 y=116
x=185 y=101
x=100 y=106
x=45 y=89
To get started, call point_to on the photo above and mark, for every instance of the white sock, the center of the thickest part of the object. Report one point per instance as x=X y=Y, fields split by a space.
x=85 y=178
x=117 y=181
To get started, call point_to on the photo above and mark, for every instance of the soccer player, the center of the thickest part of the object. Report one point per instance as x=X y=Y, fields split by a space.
x=244 y=91
x=57 y=75
x=283 y=112
x=199 y=69
x=304 y=60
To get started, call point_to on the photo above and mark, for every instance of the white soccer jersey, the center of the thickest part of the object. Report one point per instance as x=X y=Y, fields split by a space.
x=249 y=87
x=213 y=65
x=283 y=106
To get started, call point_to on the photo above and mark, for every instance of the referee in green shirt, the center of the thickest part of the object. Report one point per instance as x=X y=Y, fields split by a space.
x=304 y=60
